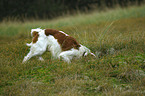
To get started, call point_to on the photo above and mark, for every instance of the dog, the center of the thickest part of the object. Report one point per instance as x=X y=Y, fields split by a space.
x=61 y=45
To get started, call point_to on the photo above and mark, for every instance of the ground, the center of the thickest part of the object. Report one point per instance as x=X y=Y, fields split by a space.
x=116 y=36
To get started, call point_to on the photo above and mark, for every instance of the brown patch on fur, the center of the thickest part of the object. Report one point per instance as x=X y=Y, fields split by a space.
x=35 y=36
x=69 y=43
x=66 y=42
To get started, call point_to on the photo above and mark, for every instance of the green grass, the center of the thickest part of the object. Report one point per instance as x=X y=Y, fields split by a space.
x=117 y=36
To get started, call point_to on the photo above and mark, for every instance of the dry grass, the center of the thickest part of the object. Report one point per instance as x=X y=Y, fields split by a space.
x=119 y=69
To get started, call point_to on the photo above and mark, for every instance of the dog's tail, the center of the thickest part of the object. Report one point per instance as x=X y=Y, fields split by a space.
x=29 y=44
x=86 y=51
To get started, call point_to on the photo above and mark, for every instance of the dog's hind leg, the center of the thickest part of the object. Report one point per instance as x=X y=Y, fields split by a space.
x=40 y=58
x=36 y=52
x=26 y=58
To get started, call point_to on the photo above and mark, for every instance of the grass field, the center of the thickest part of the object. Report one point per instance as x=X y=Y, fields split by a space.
x=116 y=36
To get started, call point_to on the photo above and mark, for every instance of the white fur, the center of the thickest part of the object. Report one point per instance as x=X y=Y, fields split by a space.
x=44 y=42
x=64 y=33
x=53 y=46
x=38 y=48
x=37 y=30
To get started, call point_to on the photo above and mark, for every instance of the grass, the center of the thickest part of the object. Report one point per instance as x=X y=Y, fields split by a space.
x=117 y=36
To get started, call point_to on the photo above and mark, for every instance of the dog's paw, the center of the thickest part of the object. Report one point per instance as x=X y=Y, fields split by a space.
x=41 y=59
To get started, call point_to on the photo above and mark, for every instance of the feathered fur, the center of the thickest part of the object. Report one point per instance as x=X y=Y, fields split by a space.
x=61 y=45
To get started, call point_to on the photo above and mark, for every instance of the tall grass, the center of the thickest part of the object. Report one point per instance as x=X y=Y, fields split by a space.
x=69 y=21
x=117 y=36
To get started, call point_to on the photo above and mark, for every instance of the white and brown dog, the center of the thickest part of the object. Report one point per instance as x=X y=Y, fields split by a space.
x=60 y=44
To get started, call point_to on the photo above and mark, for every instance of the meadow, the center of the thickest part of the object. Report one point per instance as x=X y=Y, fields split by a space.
x=116 y=36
